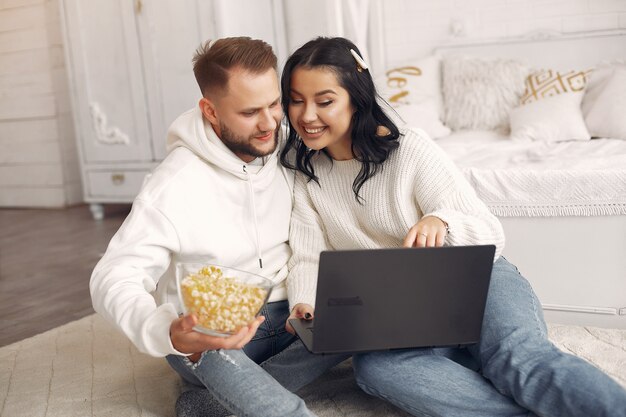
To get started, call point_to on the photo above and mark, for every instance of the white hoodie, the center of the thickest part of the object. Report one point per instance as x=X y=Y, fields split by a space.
x=202 y=202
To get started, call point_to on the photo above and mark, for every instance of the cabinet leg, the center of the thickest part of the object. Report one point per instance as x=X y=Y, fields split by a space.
x=97 y=211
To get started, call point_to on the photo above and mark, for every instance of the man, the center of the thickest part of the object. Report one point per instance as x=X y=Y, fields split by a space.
x=222 y=196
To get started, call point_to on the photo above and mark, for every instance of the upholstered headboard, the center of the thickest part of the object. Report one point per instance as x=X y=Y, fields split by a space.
x=554 y=50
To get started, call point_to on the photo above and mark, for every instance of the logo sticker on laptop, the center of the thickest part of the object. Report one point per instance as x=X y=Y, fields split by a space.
x=345 y=301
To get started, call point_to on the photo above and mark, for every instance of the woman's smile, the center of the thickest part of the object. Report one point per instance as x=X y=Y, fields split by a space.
x=314 y=132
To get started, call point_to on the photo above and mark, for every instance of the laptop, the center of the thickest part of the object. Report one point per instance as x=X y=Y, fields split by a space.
x=381 y=299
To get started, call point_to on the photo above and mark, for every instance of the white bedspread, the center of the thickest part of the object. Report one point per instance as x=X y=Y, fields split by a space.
x=540 y=178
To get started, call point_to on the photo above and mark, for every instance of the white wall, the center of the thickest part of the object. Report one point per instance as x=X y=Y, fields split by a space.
x=38 y=156
x=414 y=28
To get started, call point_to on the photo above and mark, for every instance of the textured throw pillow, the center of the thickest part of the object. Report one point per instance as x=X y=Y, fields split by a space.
x=479 y=93
x=604 y=101
x=412 y=83
x=550 y=108
x=423 y=115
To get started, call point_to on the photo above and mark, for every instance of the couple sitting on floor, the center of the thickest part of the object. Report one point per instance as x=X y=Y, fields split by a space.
x=233 y=191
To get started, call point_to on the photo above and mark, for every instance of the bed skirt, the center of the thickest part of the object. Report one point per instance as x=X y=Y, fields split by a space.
x=550 y=193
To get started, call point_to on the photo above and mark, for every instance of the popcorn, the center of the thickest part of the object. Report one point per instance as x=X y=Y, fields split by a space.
x=220 y=303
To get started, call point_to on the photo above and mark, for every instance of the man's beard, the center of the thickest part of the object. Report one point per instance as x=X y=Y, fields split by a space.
x=242 y=146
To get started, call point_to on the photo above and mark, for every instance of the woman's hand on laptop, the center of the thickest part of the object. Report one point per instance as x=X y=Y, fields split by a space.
x=429 y=232
x=299 y=311
x=186 y=340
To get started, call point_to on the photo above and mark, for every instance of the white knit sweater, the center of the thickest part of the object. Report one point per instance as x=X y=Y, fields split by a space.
x=417 y=180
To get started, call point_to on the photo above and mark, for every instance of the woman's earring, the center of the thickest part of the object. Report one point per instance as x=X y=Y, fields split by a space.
x=382 y=131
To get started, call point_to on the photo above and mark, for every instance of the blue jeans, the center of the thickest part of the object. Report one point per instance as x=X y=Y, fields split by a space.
x=225 y=382
x=513 y=370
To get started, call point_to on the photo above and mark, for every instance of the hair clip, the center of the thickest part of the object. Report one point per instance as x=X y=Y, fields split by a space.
x=360 y=64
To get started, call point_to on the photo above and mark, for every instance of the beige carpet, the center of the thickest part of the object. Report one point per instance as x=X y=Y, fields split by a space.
x=86 y=368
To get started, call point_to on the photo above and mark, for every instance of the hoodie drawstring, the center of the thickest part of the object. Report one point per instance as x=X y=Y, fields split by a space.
x=256 y=224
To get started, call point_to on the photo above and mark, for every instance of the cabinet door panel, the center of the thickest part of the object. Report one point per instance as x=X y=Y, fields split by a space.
x=108 y=88
x=170 y=35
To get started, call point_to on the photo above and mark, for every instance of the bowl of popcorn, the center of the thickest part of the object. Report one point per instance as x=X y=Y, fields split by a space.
x=223 y=299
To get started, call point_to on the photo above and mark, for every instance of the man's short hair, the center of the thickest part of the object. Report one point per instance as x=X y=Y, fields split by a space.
x=213 y=60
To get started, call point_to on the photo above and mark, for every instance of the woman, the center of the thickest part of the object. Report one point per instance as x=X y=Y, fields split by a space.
x=363 y=183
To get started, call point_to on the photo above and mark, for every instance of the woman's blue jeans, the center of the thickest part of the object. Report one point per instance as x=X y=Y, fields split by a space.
x=225 y=382
x=513 y=370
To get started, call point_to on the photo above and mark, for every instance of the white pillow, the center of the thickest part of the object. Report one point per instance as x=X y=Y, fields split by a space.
x=479 y=93
x=604 y=101
x=423 y=115
x=550 y=109
x=412 y=83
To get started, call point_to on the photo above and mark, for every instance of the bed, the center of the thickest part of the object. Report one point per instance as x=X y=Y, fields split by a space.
x=560 y=195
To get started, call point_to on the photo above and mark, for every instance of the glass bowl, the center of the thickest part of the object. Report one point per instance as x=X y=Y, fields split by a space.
x=223 y=299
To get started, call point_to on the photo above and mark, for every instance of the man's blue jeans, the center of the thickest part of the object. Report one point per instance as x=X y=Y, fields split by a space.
x=512 y=371
x=234 y=378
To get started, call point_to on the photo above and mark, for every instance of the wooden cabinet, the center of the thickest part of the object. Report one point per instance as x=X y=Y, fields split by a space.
x=130 y=70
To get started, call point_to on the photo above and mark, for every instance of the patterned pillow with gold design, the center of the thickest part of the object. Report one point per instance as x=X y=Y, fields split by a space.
x=549 y=109
x=548 y=83
x=412 y=82
x=413 y=89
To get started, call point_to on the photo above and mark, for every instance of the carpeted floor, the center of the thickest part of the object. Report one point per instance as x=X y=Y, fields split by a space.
x=86 y=368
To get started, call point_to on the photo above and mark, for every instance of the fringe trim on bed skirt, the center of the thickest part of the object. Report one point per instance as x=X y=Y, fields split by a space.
x=557 y=211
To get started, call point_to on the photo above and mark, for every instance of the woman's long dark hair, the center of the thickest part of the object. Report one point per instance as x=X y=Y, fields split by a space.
x=367 y=146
